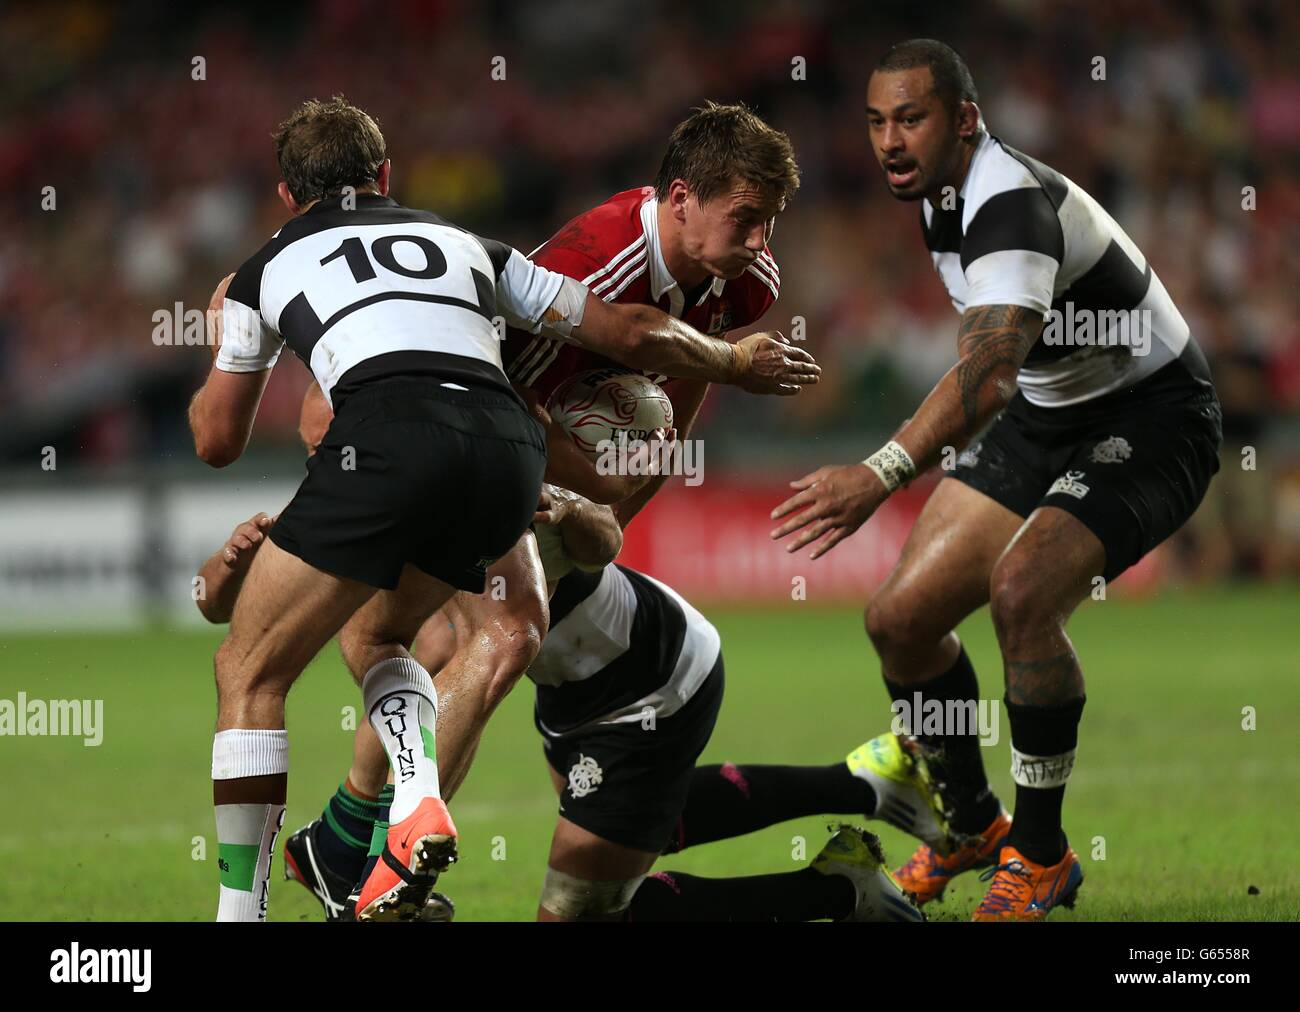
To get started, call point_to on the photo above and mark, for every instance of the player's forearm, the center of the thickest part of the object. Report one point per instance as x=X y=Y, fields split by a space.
x=663 y=344
x=627 y=508
x=946 y=419
x=992 y=342
x=219 y=588
x=568 y=467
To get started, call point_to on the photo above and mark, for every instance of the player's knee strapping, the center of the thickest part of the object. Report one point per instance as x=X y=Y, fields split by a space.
x=577 y=899
x=246 y=832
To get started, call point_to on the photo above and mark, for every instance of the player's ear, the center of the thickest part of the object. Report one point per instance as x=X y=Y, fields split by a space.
x=969 y=118
x=287 y=197
x=382 y=176
x=678 y=195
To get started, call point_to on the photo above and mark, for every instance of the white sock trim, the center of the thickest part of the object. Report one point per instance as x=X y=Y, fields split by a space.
x=242 y=752
x=1041 y=770
x=397 y=674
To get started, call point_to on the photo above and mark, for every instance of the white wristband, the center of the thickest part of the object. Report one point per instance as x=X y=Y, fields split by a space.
x=893 y=465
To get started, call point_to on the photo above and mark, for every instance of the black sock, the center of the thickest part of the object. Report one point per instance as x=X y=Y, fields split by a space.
x=804 y=895
x=1042 y=731
x=731 y=800
x=962 y=766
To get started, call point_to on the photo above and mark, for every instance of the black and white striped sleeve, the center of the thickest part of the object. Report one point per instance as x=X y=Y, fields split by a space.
x=524 y=290
x=1012 y=250
x=248 y=343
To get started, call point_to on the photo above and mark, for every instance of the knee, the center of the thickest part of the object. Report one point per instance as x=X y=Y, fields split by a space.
x=1020 y=605
x=575 y=899
x=353 y=647
x=240 y=673
x=894 y=625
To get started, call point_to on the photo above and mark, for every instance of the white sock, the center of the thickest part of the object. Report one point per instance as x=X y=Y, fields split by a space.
x=403 y=708
x=246 y=833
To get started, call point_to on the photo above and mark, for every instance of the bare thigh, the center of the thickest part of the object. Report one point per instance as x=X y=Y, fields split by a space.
x=388 y=623
x=286 y=611
x=940 y=578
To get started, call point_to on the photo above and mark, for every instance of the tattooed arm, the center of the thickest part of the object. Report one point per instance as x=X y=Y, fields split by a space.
x=833 y=502
x=992 y=343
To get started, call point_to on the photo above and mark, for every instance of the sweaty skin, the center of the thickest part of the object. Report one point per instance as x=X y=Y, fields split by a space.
x=924 y=152
x=965 y=549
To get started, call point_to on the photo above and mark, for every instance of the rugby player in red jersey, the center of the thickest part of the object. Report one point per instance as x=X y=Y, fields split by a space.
x=695 y=245
x=369 y=544
x=650 y=341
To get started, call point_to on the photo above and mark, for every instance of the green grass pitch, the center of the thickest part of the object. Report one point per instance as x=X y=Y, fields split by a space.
x=1191 y=809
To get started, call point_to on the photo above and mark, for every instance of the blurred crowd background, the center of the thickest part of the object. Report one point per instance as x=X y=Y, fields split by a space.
x=162 y=183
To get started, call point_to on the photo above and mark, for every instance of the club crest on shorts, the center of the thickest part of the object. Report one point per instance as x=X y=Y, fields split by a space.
x=1069 y=484
x=970 y=456
x=585 y=776
x=1111 y=451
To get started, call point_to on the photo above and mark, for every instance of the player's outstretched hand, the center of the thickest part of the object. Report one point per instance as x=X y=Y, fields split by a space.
x=835 y=502
x=771 y=365
x=239 y=550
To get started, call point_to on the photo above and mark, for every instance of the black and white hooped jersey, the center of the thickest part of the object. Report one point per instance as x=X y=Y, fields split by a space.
x=621 y=644
x=378 y=289
x=1022 y=234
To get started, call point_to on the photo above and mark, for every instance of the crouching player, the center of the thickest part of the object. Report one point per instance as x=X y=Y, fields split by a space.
x=629 y=683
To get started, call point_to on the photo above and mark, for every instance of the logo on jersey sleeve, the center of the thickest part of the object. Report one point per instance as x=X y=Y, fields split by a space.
x=1069 y=484
x=1111 y=451
x=585 y=776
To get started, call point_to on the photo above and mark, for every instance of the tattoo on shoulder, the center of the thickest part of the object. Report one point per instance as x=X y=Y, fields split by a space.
x=991 y=339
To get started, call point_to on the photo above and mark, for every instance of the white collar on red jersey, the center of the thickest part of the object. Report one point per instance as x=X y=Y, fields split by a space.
x=661 y=281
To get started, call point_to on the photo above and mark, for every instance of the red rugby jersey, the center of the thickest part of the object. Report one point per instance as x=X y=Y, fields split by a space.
x=614 y=250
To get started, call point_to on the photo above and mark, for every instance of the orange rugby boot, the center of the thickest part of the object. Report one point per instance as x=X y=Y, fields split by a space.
x=417 y=849
x=927 y=873
x=1024 y=891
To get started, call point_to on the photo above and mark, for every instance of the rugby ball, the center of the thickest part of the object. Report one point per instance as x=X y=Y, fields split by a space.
x=608 y=404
